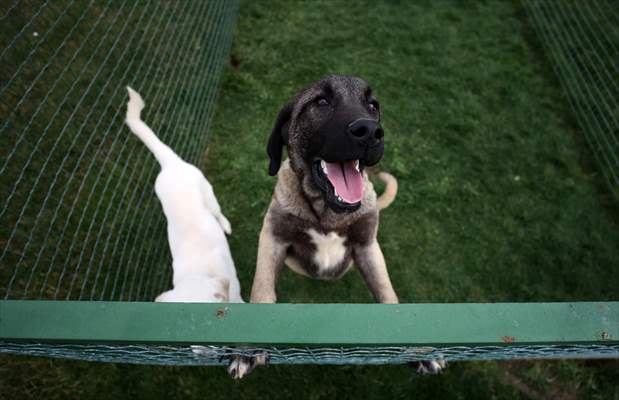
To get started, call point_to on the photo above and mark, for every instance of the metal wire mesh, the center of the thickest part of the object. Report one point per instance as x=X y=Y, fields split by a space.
x=79 y=219
x=582 y=40
x=212 y=355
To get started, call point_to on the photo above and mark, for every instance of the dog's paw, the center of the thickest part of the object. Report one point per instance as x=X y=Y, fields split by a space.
x=428 y=366
x=225 y=224
x=241 y=366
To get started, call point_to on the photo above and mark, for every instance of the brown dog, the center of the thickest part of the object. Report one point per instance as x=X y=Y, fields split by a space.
x=323 y=214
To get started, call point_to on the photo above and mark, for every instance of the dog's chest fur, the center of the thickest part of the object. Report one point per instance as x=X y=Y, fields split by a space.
x=330 y=249
x=317 y=252
x=318 y=247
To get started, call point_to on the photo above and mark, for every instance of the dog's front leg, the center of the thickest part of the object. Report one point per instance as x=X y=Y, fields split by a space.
x=371 y=264
x=271 y=255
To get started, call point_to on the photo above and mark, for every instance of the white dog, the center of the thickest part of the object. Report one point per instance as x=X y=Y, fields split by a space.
x=203 y=268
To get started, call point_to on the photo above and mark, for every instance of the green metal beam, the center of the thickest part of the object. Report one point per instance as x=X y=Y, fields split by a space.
x=310 y=324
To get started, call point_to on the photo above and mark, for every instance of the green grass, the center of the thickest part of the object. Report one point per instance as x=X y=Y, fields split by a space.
x=497 y=202
x=493 y=205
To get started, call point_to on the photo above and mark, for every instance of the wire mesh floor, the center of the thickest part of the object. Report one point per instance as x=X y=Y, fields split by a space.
x=216 y=355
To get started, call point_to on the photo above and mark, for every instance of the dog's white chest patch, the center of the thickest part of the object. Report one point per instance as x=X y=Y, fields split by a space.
x=330 y=249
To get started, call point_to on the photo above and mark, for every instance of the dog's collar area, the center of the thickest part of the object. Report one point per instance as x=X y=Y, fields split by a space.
x=328 y=191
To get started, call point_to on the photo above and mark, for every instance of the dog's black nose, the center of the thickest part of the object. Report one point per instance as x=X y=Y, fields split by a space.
x=365 y=130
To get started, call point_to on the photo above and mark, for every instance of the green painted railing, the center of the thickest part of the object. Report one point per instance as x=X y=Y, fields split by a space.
x=167 y=333
x=311 y=324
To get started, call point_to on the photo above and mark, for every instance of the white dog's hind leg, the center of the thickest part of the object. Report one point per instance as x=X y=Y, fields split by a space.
x=210 y=202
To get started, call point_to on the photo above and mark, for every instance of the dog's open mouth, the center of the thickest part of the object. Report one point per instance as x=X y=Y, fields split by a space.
x=340 y=182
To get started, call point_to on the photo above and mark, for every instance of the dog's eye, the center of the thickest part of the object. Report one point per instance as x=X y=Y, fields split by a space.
x=321 y=101
x=373 y=105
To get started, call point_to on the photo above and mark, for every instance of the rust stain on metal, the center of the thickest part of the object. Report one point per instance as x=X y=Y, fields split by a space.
x=508 y=339
x=221 y=312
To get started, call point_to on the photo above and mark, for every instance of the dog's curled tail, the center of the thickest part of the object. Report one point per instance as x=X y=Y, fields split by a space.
x=162 y=152
x=391 y=190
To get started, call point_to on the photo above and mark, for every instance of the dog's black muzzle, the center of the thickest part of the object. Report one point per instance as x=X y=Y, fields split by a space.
x=368 y=135
x=344 y=142
x=345 y=139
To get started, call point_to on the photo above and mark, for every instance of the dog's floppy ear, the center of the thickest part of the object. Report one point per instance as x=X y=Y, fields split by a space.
x=279 y=137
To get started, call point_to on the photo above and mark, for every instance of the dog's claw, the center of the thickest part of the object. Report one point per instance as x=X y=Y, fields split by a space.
x=241 y=366
x=429 y=366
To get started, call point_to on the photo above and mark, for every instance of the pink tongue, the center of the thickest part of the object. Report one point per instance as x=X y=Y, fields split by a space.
x=346 y=180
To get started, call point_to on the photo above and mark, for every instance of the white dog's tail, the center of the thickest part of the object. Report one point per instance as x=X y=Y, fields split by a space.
x=161 y=151
x=391 y=189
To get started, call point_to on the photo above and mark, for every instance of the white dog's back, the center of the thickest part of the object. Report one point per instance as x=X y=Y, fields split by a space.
x=196 y=225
